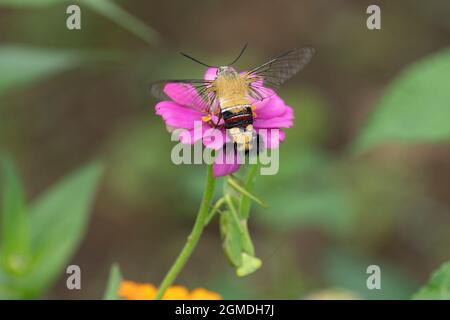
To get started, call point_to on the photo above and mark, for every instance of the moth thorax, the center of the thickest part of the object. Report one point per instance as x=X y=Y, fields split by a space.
x=227 y=72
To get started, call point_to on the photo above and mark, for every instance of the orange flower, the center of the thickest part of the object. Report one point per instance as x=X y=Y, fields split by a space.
x=137 y=291
x=203 y=294
x=176 y=293
x=130 y=290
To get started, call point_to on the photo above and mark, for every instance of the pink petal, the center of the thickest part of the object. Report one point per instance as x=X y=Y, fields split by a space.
x=284 y=121
x=177 y=116
x=212 y=138
x=185 y=95
x=215 y=138
x=210 y=74
x=222 y=168
x=270 y=108
x=189 y=137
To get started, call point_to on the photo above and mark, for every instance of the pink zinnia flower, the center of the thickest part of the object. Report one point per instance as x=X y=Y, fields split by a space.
x=271 y=114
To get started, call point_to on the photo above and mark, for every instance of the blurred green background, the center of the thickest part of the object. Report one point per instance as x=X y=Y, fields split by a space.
x=68 y=97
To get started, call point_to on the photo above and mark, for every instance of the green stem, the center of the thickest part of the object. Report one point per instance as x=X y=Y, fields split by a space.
x=193 y=238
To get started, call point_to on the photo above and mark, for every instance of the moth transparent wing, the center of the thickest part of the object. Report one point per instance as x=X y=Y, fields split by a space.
x=267 y=78
x=194 y=94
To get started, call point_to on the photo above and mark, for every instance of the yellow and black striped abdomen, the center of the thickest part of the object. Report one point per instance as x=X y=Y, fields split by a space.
x=237 y=116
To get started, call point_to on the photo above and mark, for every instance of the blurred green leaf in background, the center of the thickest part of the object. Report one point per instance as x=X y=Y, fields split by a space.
x=37 y=245
x=438 y=288
x=415 y=108
x=114 y=280
x=23 y=65
x=15 y=233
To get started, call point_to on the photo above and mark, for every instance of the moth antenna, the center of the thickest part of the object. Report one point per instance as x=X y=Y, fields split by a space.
x=196 y=60
x=240 y=54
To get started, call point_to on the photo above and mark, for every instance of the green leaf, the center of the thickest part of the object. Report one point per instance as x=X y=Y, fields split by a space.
x=438 y=288
x=22 y=65
x=231 y=201
x=231 y=238
x=58 y=220
x=114 y=280
x=415 y=107
x=241 y=224
x=246 y=241
x=237 y=244
x=249 y=265
x=14 y=222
